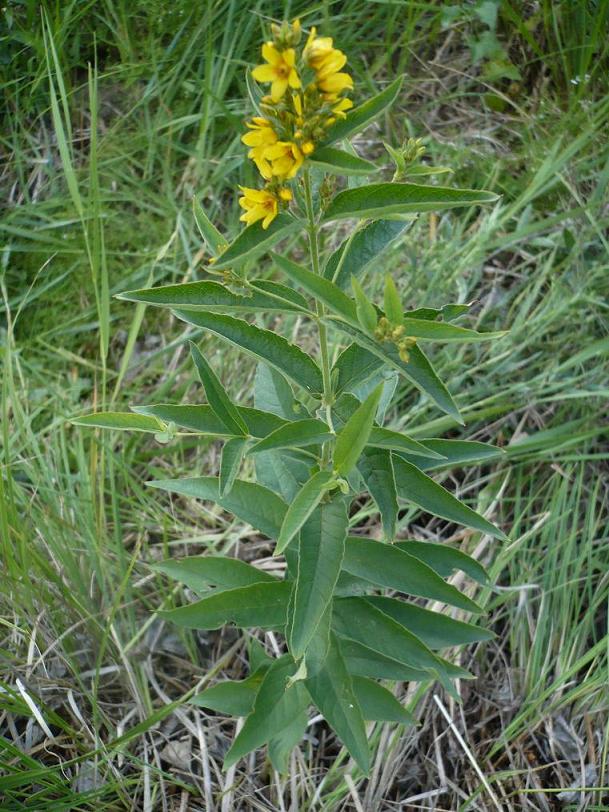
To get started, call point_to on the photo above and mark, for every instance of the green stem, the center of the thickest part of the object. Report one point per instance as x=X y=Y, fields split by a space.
x=328 y=395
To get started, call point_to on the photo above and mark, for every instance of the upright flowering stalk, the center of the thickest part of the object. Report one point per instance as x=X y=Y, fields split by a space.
x=298 y=466
x=307 y=94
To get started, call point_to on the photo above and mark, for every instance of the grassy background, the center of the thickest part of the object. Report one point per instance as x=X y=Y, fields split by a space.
x=115 y=113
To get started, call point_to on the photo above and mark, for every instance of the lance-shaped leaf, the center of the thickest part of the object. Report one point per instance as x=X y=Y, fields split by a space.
x=214 y=240
x=218 y=399
x=418 y=369
x=352 y=438
x=297 y=434
x=255 y=240
x=332 y=691
x=356 y=619
x=322 y=289
x=354 y=366
x=319 y=644
x=120 y=421
x=233 y=452
x=338 y=162
x=273 y=393
x=433 y=628
x=264 y=345
x=321 y=550
x=199 y=572
x=213 y=296
x=417 y=487
x=441 y=331
x=202 y=420
x=276 y=705
x=376 y=468
x=454 y=452
x=397 y=441
x=231 y=697
x=365 y=310
x=378 y=704
x=281 y=745
x=387 y=566
x=250 y=502
x=264 y=605
x=305 y=502
x=365 y=662
x=359 y=250
x=281 y=293
x=384 y=199
x=361 y=116
x=444 y=559
x=392 y=303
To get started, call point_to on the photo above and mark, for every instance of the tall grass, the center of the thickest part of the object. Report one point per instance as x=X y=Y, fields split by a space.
x=116 y=113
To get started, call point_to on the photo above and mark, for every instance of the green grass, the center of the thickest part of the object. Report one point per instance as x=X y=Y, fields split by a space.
x=100 y=164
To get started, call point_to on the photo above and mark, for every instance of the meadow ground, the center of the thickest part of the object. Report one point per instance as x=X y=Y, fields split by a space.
x=117 y=112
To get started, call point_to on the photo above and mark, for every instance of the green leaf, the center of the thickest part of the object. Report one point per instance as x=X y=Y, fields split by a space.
x=281 y=746
x=286 y=297
x=352 y=438
x=232 y=697
x=272 y=393
x=441 y=331
x=284 y=472
x=264 y=345
x=366 y=312
x=357 y=619
x=337 y=162
x=321 y=550
x=444 y=559
x=212 y=296
x=264 y=605
x=415 y=486
x=217 y=395
x=365 y=662
x=275 y=708
x=378 y=704
x=202 y=420
x=364 y=114
x=455 y=452
x=383 y=199
x=376 y=468
x=363 y=247
x=120 y=421
x=210 y=234
x=319 y=644
x=255 y=240
x=323 y=290
x=332 y=691
x=392 y=303
x=397 y=441
x=303 y=505
x=392 y=568
x=230 y=462
x=295 y=435
x=354 y=366
x=199 y=572
x=418 y=370
x=250 y=502
x=433 y=628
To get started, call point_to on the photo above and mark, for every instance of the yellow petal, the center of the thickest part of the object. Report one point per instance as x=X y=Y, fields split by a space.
x=264 y=73
x=278 y=88
x=270 y=53
x=293 y=79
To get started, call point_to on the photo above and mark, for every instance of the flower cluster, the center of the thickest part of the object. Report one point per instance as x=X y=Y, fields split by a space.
x=307 y=95
x=386 y=331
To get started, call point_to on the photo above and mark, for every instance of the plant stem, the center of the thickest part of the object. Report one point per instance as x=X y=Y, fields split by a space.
x=328 y=395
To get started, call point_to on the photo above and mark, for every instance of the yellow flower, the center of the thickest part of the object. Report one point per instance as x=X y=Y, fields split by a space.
x=286 y=159
x=280 y=70
x=327 y=62
x=340 y=108
x=259 y=204
x=261 y=137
